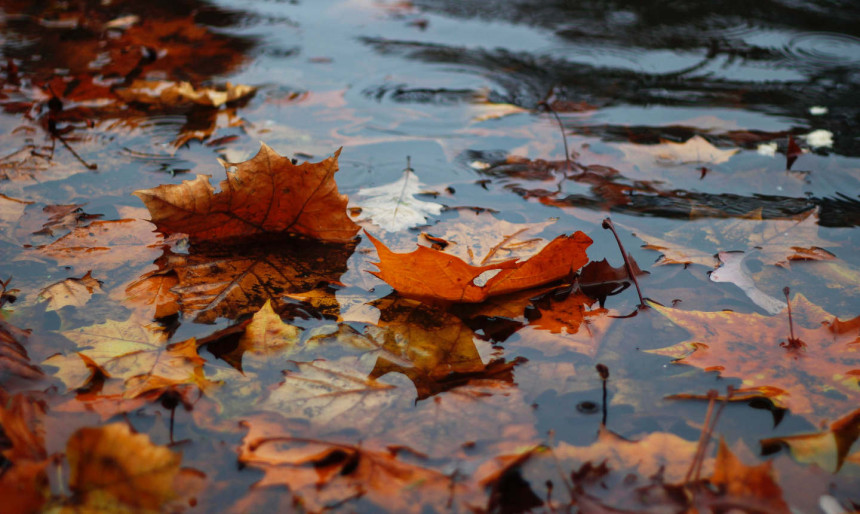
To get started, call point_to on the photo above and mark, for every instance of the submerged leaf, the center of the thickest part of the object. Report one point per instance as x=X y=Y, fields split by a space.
x=393 y=207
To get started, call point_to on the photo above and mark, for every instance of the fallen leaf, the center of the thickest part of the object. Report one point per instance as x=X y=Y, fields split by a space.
x=322 y=474
x=266 y=194
x=598 y=279
x=219 y=281
x=151 y=295
x=480 y=238
x=696 y=150
x=819 y=378
x=775 y=241
x=166 y=93
x=827 y=449
x=72 y=291
x=24 y=482
x=104 y=246
x=393 y=207
x=14 y=360
x=111 y=469
x=434 y=275
x=134 y=351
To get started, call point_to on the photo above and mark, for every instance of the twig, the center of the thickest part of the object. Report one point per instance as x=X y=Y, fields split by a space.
x=72 y=150
x=549 y=108
x=604 y=376
x=607 y=224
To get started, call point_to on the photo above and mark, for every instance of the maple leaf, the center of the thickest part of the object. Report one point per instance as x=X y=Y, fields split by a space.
x=322 y=474
x=134 y=351
x=393 y=206
x=218 y=281
x=266 y=194
x=104 y=245
x=598 y=279
x=151 y=295
x=828 y=449
x=732 y=270
x=71 y=291
x=696 y=150
x=773 y=241
x=433 y=275
x=166 y=93
x=818 y=376
x=112 y=469
x=481 y=238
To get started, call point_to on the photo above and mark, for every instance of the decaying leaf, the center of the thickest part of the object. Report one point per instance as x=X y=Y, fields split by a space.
x=434 y=275
x=321 y=474
x=14 y=360
x=72 y=291
x=773 y=241
x=393 y=207
x=134 y=351
x=696 y=150
x=111 y=469
x=266 y=194
x=24 y=483
x=801 y=375
x=165 y=93
x=104 y=246
x=151 y=295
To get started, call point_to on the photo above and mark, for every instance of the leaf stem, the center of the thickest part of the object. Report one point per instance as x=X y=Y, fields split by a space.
x=604 y=376
x=549 y=108
x=607 y=224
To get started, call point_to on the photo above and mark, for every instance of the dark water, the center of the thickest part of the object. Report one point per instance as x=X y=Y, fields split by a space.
x=426 y=80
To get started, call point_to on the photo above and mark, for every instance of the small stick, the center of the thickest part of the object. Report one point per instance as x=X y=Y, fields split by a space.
x=604 y=376
x=69 y=148
x=546 y=105
x=703 y=438
x=607 y=224
x=793 y=342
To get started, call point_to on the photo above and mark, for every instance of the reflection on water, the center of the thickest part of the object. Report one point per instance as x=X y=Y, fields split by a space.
x=677 y=118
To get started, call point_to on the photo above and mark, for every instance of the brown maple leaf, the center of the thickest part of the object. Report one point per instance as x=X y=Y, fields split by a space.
x=171 y=94
x=324 y=474
x=24 y=484
x=134 y=351
x=113 y=469
x=819 y=376
x=71 y=291
x=266 y=194
x=437 y=276
x=13 y=356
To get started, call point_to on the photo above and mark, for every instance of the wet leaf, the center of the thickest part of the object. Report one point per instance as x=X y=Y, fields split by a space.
x=773 y=241
x=571 y=323
x=112 y=469
x=324 y=474
x=165 y=93
x=13 y=356
x=816 y=377
x=696 y=150
x=732 y=270
x=104 y=246
x=393 y=207
x=134 y=351
x=24 y=481
x=434 y=275
x=151 y=295
x=266 y=194
x=72 y=291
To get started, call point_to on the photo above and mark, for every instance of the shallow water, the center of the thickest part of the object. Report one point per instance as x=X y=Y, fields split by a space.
x=456 y=87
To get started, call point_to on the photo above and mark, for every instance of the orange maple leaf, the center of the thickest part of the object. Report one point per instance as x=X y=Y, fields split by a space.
x=434 y=275
x=753 y=347
x=266 y=194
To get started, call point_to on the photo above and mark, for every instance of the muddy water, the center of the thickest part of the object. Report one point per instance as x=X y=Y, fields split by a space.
x=459 y=88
